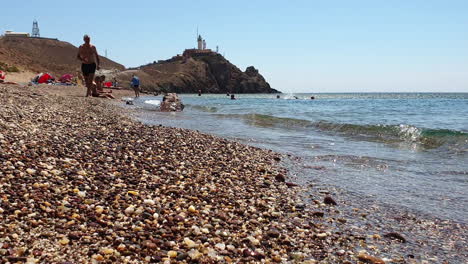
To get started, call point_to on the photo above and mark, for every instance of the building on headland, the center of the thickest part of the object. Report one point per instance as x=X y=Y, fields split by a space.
x=200 y=42
x=201 y=49
x=10 y=33
x=35 y=33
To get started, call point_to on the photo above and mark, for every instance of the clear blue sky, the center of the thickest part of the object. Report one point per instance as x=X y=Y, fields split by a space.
x=299 y=46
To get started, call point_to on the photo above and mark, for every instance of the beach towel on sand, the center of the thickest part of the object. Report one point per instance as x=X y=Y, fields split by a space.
x=66 y=78
x=43 y=78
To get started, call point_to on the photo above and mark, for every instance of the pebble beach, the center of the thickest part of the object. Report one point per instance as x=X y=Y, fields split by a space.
x=83 y=182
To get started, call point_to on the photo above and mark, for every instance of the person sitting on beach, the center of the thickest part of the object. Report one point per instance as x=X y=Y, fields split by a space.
x=135 y=83
x=89 y=58
x=100 y=84
x=97 y=86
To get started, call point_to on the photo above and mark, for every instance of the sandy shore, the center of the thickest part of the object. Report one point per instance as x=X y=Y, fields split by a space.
x=80 y=182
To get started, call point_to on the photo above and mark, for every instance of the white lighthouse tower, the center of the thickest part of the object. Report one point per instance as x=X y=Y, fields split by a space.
x=200 y=42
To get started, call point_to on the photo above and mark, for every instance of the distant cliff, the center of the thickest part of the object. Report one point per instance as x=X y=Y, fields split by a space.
x=209 y=72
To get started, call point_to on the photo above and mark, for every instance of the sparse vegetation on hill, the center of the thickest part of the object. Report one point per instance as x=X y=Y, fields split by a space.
x=8 y=68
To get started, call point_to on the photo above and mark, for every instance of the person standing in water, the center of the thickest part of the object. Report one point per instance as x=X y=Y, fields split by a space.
x=135 y=85
x=89 y=58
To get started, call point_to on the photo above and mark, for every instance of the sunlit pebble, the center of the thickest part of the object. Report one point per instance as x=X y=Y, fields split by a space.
x=189 y=243
x=129 y=210
x=99 y=209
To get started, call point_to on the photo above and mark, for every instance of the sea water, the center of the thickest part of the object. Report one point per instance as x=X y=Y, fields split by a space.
x=405 y=150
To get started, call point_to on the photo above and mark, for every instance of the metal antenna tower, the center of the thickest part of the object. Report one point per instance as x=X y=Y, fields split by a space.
x=35 y=30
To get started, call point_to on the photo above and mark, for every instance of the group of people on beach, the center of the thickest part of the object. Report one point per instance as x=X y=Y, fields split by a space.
x=88 y=55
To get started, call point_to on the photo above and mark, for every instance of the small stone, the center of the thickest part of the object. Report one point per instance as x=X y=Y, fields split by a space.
x=98 y=257
x=369 y=259
x=328 y=200
x=99 y=209
x=395 y=236
x=130 y=210
x=220 y=246
x=273 y=233
x=318 y=214
x=107 y=251
x=30 y=171
x=189 y=243
x=340 y=252
x=253 y=240
x=182 y=256
x=194 y=254
x=64 y=241
x=172 y=254
x=192 y=209
x=149 y=202
x=321 y=235
x=280 y=177
x=133 y=192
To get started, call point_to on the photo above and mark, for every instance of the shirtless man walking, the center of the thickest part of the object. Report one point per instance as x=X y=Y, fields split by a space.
x=89 y=58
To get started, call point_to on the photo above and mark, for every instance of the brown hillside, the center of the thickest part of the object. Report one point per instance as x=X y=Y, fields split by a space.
x=44 y=55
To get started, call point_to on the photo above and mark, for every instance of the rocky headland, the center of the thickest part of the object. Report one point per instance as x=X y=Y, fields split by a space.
x=207 y=72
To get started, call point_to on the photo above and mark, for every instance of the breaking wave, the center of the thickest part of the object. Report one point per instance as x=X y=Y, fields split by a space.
x=429 y=138
x=210 y=109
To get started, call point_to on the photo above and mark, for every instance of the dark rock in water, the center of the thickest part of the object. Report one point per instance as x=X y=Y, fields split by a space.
x=328 y=200
x=396 y=236
x=290 y=184
x=280 y=177
x=318 y=214
x=171 y=103
x=300 y=206
x=277 y=158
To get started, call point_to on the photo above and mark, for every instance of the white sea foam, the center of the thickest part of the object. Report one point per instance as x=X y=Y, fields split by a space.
x=409 y=132
x=153 y=102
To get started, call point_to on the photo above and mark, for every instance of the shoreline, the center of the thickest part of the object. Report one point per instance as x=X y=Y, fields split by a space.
x=171 y=202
